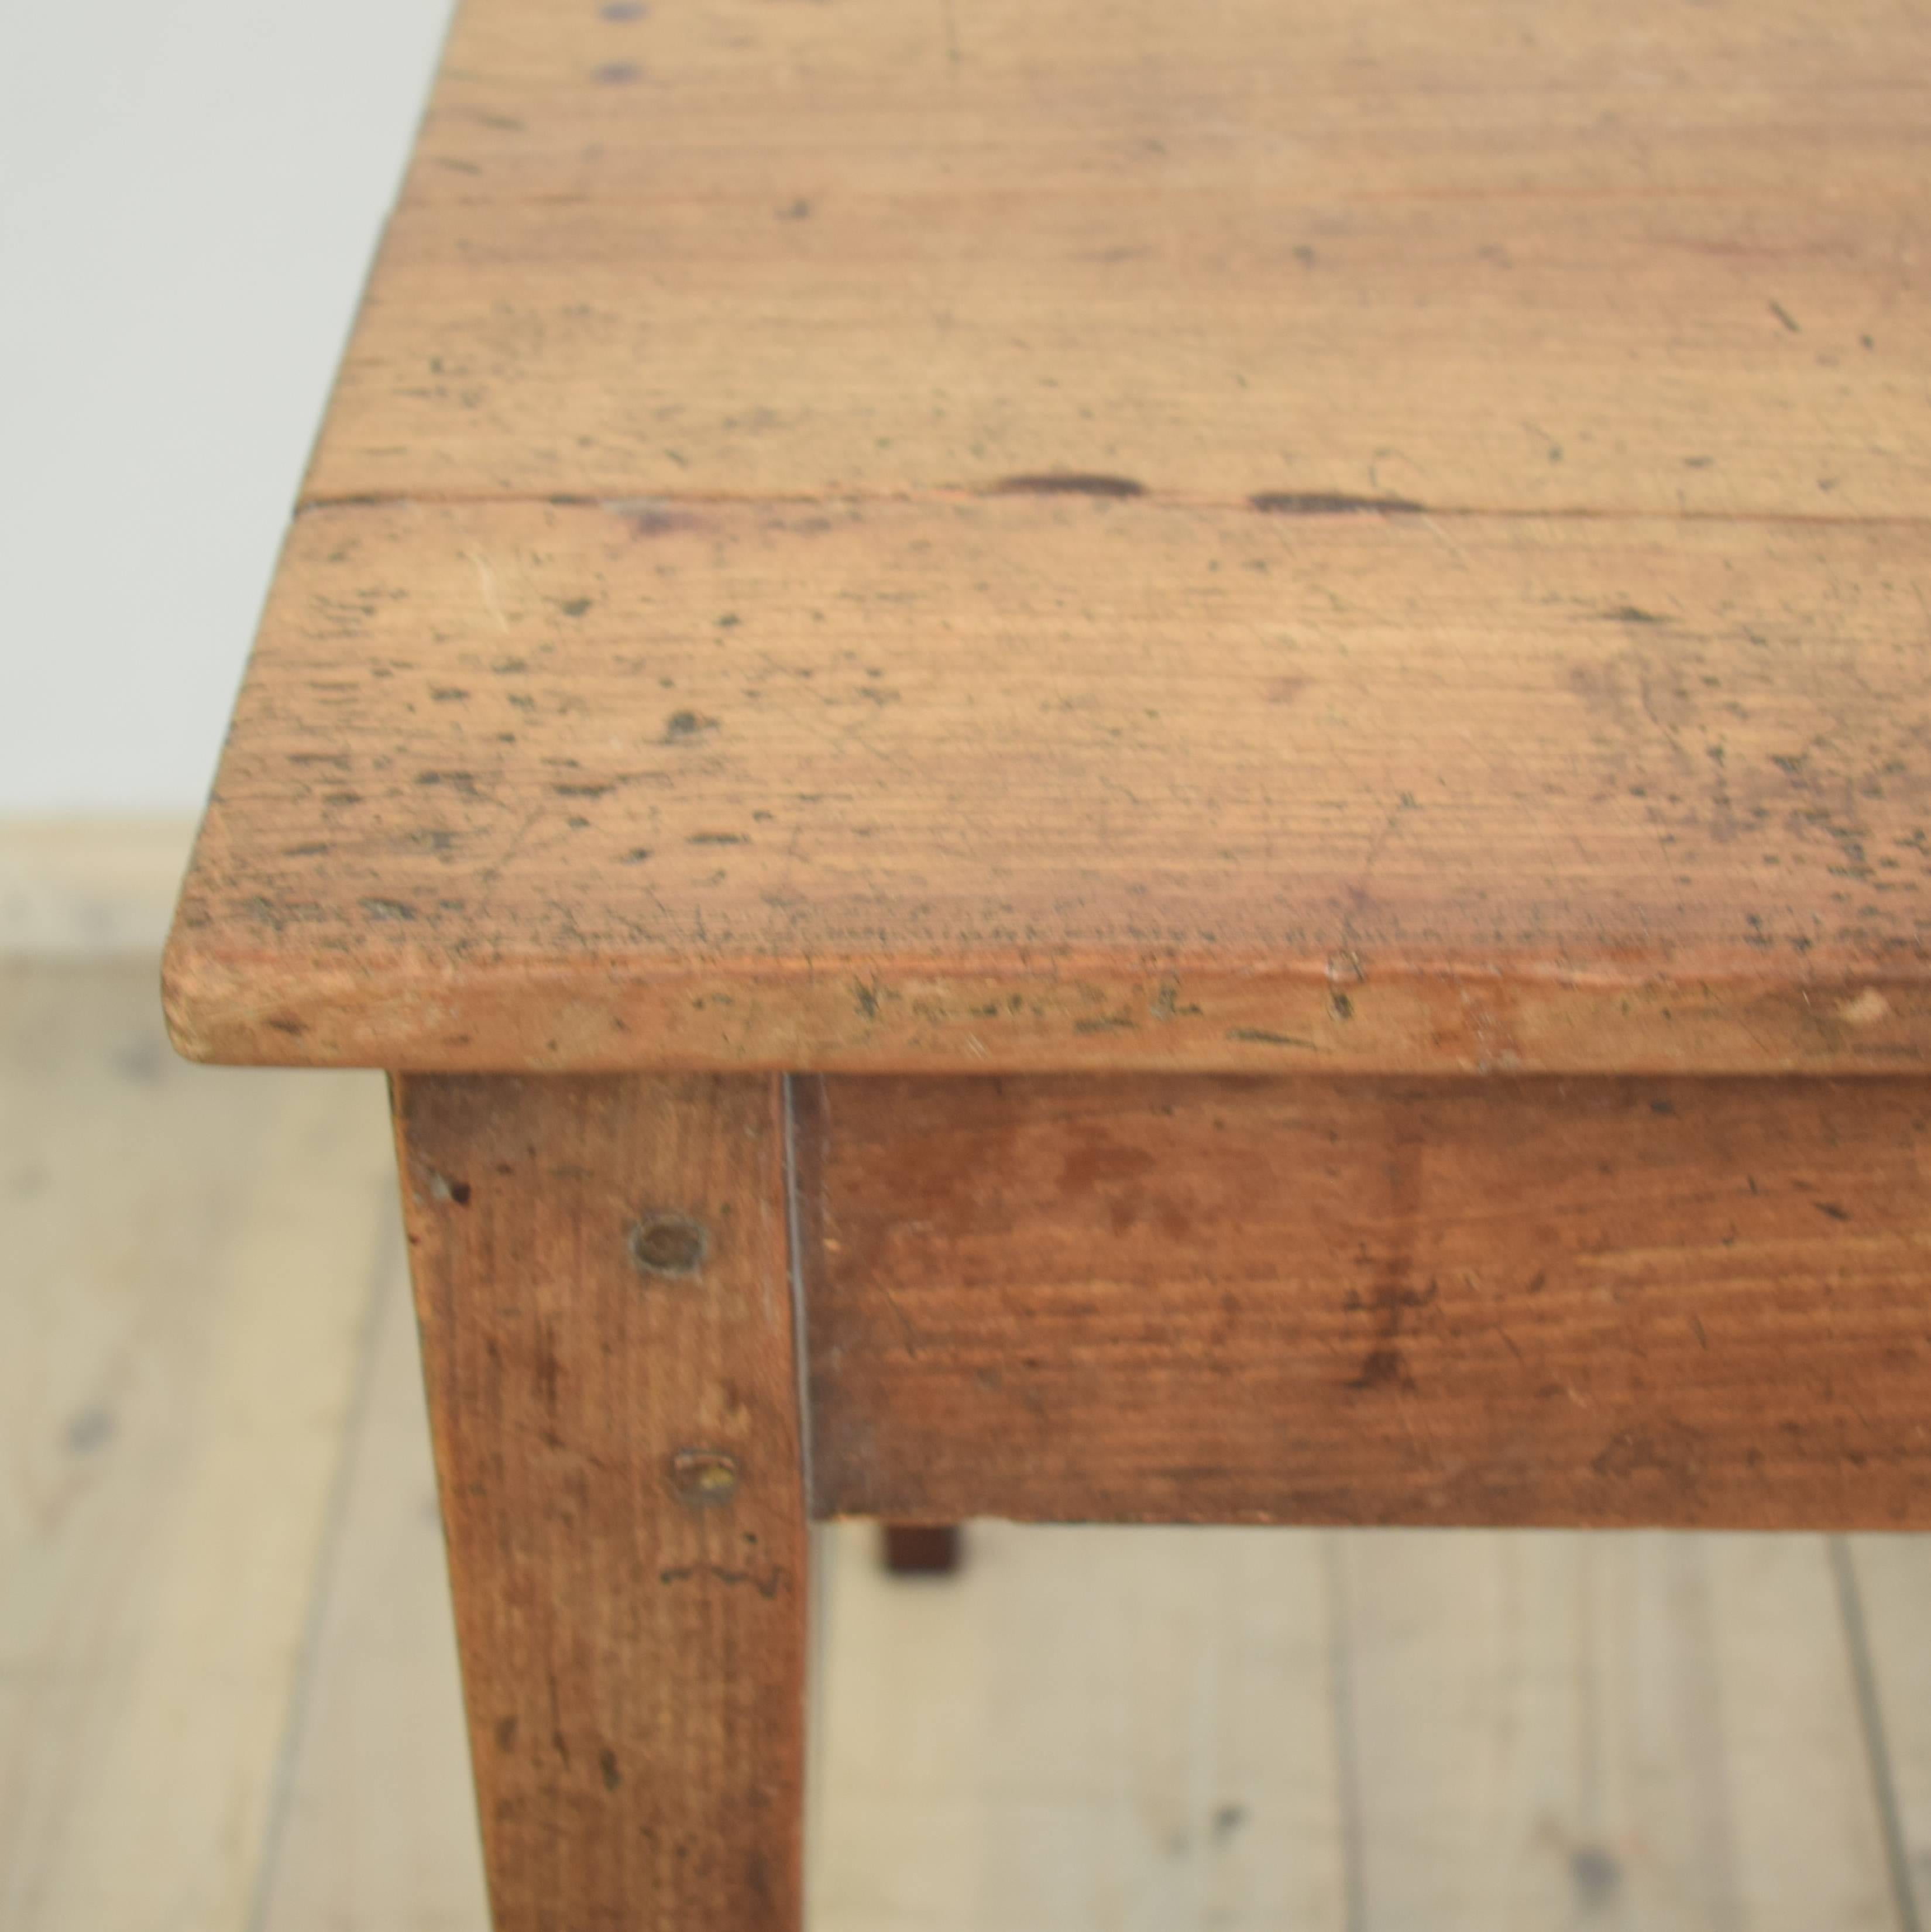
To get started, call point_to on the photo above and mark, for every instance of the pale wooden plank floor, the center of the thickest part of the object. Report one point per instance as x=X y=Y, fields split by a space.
x=185 y=1276
x=228 y=1698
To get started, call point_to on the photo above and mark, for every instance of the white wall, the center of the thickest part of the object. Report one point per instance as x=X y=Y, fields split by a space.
x=190 y=192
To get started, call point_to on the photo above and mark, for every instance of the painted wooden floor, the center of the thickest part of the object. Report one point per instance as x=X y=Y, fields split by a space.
x=228 y=1695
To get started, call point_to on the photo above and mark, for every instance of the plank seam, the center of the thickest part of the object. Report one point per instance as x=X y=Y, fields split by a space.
x=943 y=496
x=794 y=1223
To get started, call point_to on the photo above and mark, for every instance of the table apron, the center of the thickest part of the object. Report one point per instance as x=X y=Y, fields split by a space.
x=1589 y=1301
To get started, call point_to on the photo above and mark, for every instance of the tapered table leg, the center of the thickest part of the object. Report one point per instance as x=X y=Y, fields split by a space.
x=601 y=1278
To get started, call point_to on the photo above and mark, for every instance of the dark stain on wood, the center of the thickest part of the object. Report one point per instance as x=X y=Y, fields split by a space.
x=1301 y=1300
x=1068 y=483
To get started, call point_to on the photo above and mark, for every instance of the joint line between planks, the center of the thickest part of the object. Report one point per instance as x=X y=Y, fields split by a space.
x=941 y=496
x=794 y=1228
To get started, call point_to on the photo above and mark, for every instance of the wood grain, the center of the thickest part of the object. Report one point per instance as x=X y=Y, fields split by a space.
x=1056 y=781
x=1082 y=537
x=1511 y=258
x=617 y=1444
x=1538 y=1302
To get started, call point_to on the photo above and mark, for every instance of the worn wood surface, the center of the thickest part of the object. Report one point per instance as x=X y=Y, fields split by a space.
x=1506 y=257
x=1584 y=1302
x=602 y=1284
x=831 y=549
x=1054 y=782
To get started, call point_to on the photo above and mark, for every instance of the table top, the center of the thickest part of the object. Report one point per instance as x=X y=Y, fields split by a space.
x=1265 y=537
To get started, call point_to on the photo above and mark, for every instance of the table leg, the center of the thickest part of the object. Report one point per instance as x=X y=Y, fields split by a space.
x=601 y=1280
x=920 y=1549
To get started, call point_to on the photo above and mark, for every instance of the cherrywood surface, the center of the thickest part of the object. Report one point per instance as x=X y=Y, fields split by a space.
x=1102 y=536
x=1606 y=1303
x=601 y=1283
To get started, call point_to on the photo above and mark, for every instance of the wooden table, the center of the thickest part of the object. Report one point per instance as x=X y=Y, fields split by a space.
x=1098 y=760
